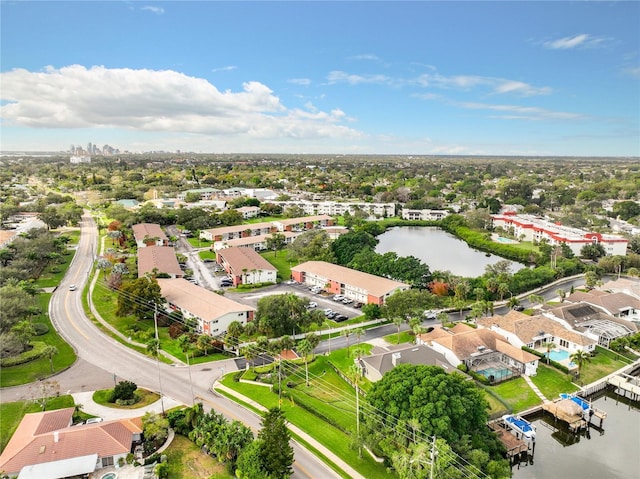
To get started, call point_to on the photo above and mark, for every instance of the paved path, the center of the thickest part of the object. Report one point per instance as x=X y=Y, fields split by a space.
x=535 y=388
x=353 y=474
x=84 y=399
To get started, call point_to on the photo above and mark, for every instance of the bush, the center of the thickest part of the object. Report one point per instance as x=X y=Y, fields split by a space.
x=125 y=391
x=25 y=357
x=40 y=328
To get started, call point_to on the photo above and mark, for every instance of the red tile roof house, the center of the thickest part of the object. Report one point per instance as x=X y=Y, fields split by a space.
x=534 y=331
x=212 y=311
x=362 y=287
x=238 y=231
x=162 y=259
x=149 y=234
x=305 y=223
x=481 y=350
x=258 y=243
x=46 y=446
x=245 y=266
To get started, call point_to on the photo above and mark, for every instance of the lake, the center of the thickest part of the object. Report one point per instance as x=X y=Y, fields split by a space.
x=440 y=250
x=612 y=453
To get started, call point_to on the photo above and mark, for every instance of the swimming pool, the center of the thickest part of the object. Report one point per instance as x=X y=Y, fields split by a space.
x=109 y=475
x=495 y=372
x=501 y=239
x=558 y=354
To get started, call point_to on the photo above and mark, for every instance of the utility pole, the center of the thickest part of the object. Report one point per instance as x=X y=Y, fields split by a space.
x=434 y=453
x=155 y=324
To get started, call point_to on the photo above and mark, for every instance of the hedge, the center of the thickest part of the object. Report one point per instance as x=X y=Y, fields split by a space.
x=25 y=357
x=556 y=365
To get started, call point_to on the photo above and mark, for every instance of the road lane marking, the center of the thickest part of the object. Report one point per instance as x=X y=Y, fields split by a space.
x=73 y=323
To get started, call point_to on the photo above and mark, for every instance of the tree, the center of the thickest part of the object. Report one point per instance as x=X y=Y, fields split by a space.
x=104 y=264
x=124 y=390
x=311 y=245
x=139 y=297
x=305 y=347
x=592 y=251
x=204 y=343
x=24 y=332
x=591 y=279
x=16 y=303
x=445 y=405
x=155 y=430
x=275 y=242
x=249 y=464
x=346 y=333
x=549 y=345
x=282 y=314
x=580 y=357
x=348 y=245
x=276 y=452
x=52 y=217
x=49 y=352
x=404 y=305
x=234 y=331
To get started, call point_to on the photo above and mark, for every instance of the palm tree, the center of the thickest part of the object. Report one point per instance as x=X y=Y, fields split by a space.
x=398 y=321
x=304 y=348
x=549 y=345
x=346 y=333
x=49 y=352
x=562 y=294
x=355 y=374
x=580 y=357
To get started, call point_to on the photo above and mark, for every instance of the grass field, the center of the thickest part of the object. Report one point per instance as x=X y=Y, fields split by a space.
x=603 y=363
x=41 y=367
x=517 y=393
x=281 y=261
x=552 y=382
x=186 y=460
x=146 y=397
x=13 y=412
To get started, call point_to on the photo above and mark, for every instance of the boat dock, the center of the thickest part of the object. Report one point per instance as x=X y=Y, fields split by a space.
x=568 y=411
x=515 y=447
x=628 y=384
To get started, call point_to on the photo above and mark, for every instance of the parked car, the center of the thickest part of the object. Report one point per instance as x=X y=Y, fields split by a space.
x=430 y=314
x=357 y=304
x=518 y=307
x=340 y=317
x=338 y=297
x=93 y=420
x=312 y=304
x=347 y=301
x=331 y=315
x=291 y=281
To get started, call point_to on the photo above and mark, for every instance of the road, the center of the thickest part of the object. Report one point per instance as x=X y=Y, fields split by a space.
x=102 y=360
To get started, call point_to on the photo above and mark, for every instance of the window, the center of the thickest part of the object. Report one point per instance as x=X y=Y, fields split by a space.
x=107 y=461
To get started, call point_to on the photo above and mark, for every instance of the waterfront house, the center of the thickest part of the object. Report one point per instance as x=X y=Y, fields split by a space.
x=481 y=350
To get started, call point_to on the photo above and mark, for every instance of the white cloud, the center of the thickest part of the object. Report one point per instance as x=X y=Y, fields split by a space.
x=497 y=86
x=338 y=76
x=227 y=68
x=156 y=10
x=576 y=41
x=517 y=112
x=365 y=56
x=300 y=81
x=149 y=100
x=632 y=71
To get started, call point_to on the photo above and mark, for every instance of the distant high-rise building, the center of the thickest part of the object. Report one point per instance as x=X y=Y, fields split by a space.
x=89 y=148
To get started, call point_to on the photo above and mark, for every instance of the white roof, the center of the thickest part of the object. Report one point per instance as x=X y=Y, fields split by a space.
x=75 y=466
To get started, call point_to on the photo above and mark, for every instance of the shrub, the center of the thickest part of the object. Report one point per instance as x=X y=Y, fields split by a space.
x=124 y=390
x=40 y=328
x=25 y=357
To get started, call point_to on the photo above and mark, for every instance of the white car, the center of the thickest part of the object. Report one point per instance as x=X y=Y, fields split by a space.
x=313 y=304
x=93 y=420
x=72 y=287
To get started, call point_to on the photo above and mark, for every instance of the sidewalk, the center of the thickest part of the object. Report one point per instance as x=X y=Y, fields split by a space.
x=85 y=401
x=535 y=388
x=310 y=440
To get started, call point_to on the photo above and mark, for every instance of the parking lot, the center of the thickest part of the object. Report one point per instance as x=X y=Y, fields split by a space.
x=324 y=301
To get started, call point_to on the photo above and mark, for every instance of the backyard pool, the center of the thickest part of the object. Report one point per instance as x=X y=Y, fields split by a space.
x=495 y=372
x=559 y=355
x=110 y=475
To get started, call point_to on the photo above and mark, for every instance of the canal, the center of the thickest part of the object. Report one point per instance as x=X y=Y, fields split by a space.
x=440 y=250
x=612 y=452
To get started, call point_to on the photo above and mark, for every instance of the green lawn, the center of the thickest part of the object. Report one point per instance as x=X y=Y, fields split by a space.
x=552 y=382
x=281 y=261
x=146 y=398
x=603 y=363
x=13 y=412
x=199 y=242
x=53 y=273
x=328 y=435
x=186 y=460
x=405 y=337
x=207 y=255
x=41 y=367
x=517 y=393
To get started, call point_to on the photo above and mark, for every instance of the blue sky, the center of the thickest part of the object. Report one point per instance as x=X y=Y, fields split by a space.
x=466 y=78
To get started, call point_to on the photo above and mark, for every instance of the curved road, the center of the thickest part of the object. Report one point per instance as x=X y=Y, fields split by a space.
x=102 y=360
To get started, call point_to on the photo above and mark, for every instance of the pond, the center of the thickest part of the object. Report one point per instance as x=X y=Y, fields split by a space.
x=440 y=250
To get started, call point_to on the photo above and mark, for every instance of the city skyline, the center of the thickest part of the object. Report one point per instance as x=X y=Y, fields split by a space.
x=411 y=78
